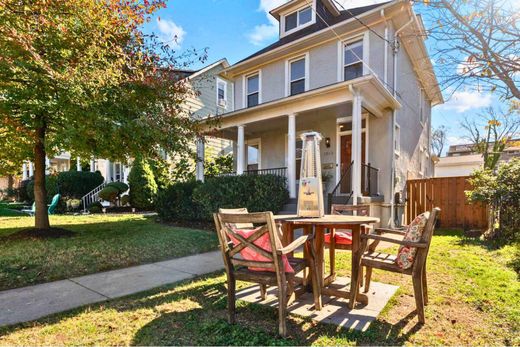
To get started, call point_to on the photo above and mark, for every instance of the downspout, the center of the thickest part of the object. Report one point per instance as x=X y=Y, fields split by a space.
x=395 y=50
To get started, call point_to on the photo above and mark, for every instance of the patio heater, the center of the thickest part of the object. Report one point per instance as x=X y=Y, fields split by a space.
x=310 y=194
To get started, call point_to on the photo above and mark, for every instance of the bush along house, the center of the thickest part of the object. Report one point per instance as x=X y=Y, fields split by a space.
x=361 y=77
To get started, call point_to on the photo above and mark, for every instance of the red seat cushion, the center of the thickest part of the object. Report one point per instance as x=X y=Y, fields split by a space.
x=341 y=237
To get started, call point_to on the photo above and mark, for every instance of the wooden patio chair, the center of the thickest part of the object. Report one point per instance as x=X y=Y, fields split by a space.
x=372 y=259
x=271 y=269
x=340 y=239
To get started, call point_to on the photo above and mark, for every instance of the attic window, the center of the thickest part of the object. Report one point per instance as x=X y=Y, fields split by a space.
x=298 y=18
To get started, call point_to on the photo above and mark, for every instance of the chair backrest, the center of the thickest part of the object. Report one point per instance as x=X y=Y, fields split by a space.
x=264 y=223
x=54 y=203
x=240 y=210
x=361 y=210
x=426 y=237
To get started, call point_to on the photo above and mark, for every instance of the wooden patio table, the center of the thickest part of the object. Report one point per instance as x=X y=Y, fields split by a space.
x=354 y=223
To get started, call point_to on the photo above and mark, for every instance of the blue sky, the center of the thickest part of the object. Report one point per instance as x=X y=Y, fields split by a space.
x=235 y=29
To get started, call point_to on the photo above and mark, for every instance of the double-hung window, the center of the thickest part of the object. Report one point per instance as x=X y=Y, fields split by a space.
x=297 y=76
x=353 y=60
x=221 y=93
x=253 y=90
x=298 y=18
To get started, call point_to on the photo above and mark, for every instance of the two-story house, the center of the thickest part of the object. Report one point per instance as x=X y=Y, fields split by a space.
x=361 y=77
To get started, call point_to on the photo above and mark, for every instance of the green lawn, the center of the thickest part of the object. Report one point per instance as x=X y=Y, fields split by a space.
x=102 y=242
x=10 y=210
x=474 y=300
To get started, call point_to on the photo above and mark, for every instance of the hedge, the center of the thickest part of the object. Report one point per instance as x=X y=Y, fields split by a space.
x=70 y=184
x=198 y=201
x=143 y=189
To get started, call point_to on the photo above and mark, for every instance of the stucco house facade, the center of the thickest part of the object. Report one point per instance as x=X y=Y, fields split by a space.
x=361 y=77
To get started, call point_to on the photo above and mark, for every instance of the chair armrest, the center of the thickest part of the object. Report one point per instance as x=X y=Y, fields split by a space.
x=389 y=231
x=398 y=242
x=295 y=244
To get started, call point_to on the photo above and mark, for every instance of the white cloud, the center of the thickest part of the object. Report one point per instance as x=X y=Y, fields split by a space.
x=171 y=33
x=466 y=100
x=456 y=140
x=264 y=32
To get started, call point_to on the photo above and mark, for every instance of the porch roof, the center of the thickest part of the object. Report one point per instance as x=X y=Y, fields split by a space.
x=376 y=98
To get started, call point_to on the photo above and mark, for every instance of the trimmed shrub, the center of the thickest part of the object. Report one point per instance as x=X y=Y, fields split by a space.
x=95 y=207
x=73 y=204
x=125 y=200
x=120 y=186
x=51 y=183
x=176 y=202
x=161 y=172
x=75 y=184
x=109 y=193
x=143 y=189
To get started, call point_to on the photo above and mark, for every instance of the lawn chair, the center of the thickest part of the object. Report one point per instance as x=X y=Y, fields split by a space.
x=342 y=238
x=51 y=207
x=415 y=265
x=257 y=255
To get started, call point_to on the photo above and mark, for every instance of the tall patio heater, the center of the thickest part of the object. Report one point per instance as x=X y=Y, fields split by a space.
x=310 y=196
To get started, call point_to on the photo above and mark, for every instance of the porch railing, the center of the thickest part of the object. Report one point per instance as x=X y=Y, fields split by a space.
x=278 y=171
x=92 y=196
x=344 y=186
x=369 y=180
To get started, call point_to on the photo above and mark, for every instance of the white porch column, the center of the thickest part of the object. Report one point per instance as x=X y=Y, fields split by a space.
x=241 y=150
x=356 y=146
x=107 y=171
x=291 y=155
x=47 y=165
x=92 y=165
x=24 y=171
x=78 y=164
x=31 y=169
x=199 y=166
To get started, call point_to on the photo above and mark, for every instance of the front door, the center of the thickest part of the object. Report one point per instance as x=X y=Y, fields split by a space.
x=346 y=160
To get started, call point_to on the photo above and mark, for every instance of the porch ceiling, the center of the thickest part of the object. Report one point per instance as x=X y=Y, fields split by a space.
x=376 y=98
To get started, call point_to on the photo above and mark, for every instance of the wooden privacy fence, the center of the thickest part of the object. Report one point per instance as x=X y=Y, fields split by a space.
x=448 y=194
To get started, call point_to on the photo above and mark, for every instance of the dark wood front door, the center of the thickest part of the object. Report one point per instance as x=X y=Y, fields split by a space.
x=346 y=159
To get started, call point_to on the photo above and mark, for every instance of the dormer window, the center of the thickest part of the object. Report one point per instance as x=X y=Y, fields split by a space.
x=297 y=20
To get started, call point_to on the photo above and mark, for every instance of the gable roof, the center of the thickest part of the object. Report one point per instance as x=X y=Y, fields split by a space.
x=222 y=61
x=319 y=25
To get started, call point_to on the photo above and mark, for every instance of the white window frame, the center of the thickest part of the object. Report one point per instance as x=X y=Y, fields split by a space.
x=421 y=107
x=244 y=87
x=365 y=38
x=220 y=80
x=288 y=72
x=251 y=142
x=312 y=6
x=397 y=140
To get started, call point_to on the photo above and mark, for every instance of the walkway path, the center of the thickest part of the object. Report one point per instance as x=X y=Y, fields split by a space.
x=29 y=303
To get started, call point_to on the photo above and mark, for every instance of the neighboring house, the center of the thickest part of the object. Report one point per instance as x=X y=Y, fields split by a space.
x=335 y=71
x=462 y=160
x=210 y=95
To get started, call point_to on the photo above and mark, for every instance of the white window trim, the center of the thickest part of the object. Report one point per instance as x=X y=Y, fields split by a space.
x=298 y=27
x=255 y=141
x=365 y=38
x=421 y=107
x=288 y=72
x=422 y=162
x=244 y=87
x=397 y=139
x=220 y=80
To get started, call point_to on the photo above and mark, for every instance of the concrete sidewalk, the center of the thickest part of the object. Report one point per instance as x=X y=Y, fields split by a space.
x=30 y=303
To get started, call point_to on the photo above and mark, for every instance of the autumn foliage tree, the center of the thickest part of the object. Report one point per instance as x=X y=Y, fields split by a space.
x=82 y=76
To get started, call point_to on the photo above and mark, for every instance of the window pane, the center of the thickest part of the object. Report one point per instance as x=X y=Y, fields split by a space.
x=252 y=84
x=252 y=100
x=353 y=71
x=298 y=69
x=252 y=155
x=291 y=21
x=305 y=15
x=353 y=52
x=221 y=94
x=297 y=87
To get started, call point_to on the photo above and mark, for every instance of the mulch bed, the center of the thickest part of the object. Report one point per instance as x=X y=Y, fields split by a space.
x=34 y=233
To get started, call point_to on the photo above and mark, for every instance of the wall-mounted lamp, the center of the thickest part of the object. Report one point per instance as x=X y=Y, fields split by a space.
x=327 y=142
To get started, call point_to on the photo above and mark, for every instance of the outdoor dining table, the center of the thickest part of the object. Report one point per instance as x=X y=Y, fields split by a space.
x=354 y=223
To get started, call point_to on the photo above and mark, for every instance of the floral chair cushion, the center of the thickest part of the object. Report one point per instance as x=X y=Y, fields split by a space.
x=406 y=254
x=263 y=242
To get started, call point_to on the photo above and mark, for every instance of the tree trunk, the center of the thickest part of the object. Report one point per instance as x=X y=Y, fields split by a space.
x=40 y=191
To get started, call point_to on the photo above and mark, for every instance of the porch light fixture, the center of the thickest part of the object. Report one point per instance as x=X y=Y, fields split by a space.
x=327 y=142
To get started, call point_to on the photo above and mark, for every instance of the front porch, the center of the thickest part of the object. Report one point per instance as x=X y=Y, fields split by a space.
x=354 y=119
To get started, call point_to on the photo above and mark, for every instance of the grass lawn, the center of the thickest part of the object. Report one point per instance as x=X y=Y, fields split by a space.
x=10 y=210
x=102 y=242
x=474 y=300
